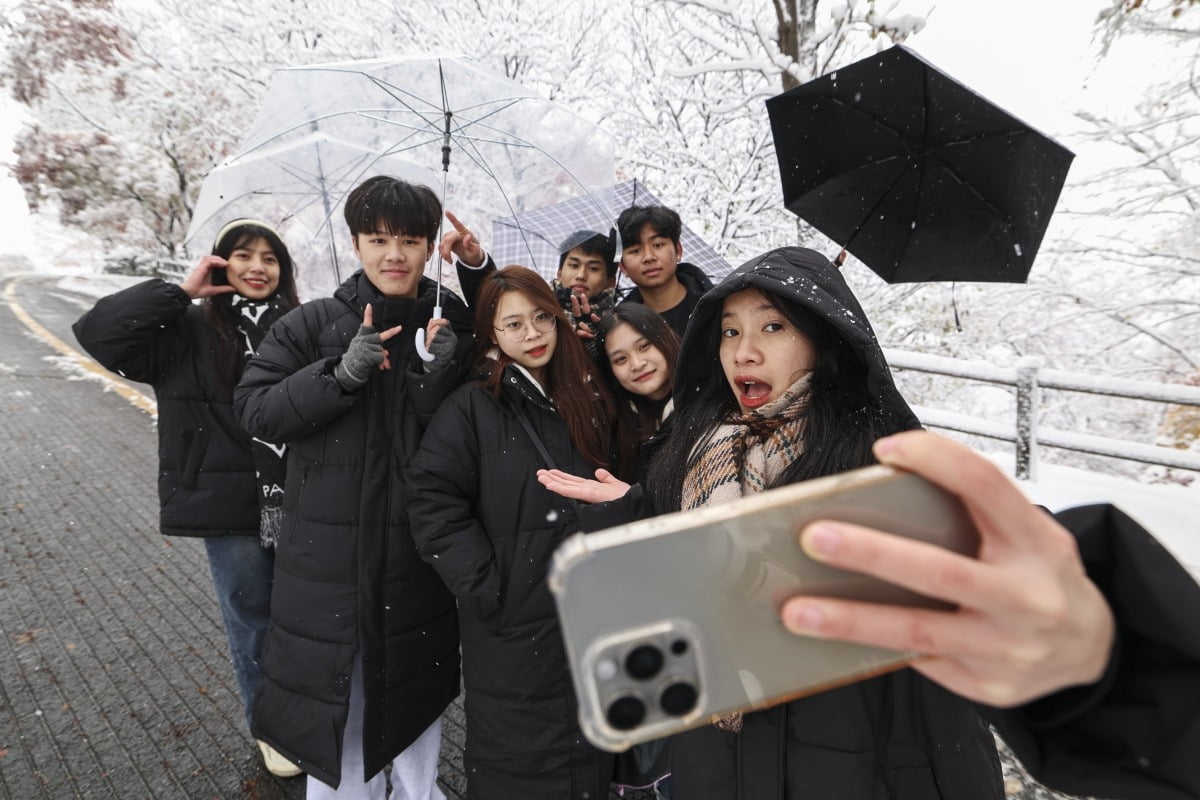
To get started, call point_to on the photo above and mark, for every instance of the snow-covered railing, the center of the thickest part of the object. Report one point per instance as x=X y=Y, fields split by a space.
x=1028 y=378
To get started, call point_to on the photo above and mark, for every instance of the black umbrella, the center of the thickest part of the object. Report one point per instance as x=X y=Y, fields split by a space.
x=915 y=174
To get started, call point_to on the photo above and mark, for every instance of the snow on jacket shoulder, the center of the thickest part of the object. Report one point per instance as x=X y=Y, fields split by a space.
x=153 y=333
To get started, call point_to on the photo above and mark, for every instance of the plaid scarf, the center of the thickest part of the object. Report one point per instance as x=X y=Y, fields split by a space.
x=745 y=456
x=254 y=319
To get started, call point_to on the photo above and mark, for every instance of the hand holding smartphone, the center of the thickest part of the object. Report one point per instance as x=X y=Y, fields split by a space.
x=673 y=622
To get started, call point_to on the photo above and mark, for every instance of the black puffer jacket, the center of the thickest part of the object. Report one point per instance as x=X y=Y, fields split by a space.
x=347 y=576
x=153 y=333
x=482 y=519
x=1135 y=733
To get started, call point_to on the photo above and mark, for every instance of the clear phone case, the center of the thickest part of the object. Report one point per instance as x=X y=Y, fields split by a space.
x=673 y=622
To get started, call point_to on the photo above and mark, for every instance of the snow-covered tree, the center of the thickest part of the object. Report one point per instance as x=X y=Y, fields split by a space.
x=1156 y=186
x=118 y=142
x=696 y=130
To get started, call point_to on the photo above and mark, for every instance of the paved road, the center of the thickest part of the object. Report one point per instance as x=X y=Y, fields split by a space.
x=114 y=680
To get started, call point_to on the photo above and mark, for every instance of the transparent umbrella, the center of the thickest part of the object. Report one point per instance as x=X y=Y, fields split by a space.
x=498 y=147
x=299 y=186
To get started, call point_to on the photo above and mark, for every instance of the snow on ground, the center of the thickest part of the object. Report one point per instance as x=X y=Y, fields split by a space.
x=1168 y=512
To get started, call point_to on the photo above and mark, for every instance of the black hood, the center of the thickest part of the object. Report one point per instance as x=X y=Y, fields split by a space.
x=804 y=277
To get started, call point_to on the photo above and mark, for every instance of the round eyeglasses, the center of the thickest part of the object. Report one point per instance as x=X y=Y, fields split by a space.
x=515 y=329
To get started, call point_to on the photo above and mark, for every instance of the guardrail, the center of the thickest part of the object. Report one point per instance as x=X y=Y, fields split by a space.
x=1028 y=378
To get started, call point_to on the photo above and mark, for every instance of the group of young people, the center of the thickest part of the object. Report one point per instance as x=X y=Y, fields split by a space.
x=406 y=530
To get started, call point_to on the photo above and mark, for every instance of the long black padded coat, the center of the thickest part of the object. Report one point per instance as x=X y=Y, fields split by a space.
x=347 y=575
x=481 y=518
x=153 y=333
x=1133 y=735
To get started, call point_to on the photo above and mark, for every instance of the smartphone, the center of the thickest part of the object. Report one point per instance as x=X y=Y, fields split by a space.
x=673 y=622
x=217 y=276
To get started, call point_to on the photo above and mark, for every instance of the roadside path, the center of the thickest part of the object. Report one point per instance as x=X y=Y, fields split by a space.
x=114 y=679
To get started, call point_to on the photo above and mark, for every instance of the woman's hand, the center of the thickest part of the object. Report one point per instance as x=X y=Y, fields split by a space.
x=606 y=486
x=1028 y=622
x=198 y=282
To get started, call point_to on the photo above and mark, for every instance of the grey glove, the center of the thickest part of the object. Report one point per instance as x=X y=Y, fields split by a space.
x=364 y=354
x=442 y=349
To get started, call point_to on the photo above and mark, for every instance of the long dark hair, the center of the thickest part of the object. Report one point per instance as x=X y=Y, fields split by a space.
x=572 y=380
x=229 y=349
x=639 y=416
x=843 y=419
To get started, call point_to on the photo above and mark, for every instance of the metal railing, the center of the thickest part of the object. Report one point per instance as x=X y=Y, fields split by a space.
x=1028 y=378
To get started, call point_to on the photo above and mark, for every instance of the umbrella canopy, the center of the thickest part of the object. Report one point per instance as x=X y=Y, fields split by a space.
x=915 y=174
x=534 y=238
x=299 y=186
x=488 y=145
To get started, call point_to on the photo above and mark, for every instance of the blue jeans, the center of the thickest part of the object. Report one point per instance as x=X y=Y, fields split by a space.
x=241 y=572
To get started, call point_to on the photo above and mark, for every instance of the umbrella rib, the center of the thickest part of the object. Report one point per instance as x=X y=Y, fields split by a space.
x=391 y=90
x=918 y=164
x=878 y=202
x=282 y=134
x=398 y=94
x=394 y=92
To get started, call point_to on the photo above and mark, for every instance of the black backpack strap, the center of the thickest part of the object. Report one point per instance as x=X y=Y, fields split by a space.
x=541 y=448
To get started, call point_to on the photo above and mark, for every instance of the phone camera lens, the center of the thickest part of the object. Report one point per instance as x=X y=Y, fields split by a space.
x=626 y=713
x=644 y=662
x=679 y=647
x=679 y=698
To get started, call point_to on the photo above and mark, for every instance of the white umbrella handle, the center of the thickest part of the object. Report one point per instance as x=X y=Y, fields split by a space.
x=421 y=351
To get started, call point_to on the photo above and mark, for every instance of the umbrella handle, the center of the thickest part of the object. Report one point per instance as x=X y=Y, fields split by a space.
x=421 y=351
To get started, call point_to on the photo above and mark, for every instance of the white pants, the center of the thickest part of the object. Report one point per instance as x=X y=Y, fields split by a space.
x=413 y=772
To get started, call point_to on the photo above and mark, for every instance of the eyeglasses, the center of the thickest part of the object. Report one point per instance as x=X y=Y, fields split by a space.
x=515 y=329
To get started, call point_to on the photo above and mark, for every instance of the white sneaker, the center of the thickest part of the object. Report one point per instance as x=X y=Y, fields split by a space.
x=275 y=762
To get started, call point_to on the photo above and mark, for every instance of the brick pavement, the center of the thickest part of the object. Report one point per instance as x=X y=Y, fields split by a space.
x=114 y=678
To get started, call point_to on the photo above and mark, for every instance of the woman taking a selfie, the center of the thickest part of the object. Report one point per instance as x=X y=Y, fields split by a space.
x=215 y=482
x=482 y=520
x=781 y=380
